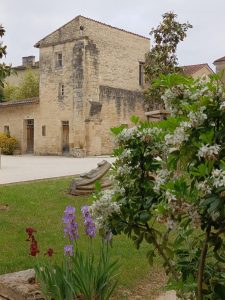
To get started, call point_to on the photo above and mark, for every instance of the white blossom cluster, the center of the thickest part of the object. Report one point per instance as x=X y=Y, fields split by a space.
x=218 y=178
x=153 y=130
x=124 y=170
x=204 y=188
x=127 y=133
x=181 y=134
x=125 y=154
x=177 y=138
x=103 y=208
x=161 y=178
x=208 y=152
x=198 y=117
x=184 y=94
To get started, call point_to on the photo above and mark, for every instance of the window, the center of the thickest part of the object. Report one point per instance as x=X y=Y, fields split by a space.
x=6 y=130
x=61 y=90
x=65 y=123
x=141 y=73
x=58 y=60
x=43 y=130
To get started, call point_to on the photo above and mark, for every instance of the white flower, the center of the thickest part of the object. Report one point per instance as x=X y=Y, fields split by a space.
x=185 y=124
x=125 y=154
x=207 y=151
x=161 y=178
x=103 y=208
x=222 y=105
x=204 y=188
x=218 y=178
x=198 y=117
x=126 y=134
x=178 y=137
x=124 y=170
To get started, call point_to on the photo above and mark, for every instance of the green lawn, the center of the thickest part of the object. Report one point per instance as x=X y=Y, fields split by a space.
x=40 y=205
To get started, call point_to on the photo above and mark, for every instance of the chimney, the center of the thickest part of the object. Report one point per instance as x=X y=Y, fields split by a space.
x=28 y=61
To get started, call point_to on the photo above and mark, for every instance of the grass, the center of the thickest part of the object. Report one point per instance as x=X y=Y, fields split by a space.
x=40 y=205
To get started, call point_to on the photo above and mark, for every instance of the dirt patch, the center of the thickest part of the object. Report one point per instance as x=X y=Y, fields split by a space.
x=148 y=289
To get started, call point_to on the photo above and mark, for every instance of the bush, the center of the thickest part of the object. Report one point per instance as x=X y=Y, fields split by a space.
x=7 y=144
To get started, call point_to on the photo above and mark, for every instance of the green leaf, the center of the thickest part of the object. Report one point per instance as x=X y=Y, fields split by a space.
x=145 y=216
x=134 y=119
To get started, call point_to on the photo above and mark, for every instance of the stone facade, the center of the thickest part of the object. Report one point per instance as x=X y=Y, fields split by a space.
x=220 y=67
x=89 y=82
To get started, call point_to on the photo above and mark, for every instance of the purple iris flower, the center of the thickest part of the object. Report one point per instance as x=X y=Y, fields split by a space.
x=89 y=224
x=68 y=250
x=70 y=224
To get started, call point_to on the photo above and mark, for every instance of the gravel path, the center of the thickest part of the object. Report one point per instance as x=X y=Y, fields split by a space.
x=28 y=167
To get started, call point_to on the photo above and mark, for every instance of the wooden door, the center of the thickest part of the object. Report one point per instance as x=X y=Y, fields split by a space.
x=30 y=136
x=65 y=137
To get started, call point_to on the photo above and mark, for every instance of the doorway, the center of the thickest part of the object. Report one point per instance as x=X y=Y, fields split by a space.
x=30 y=136
x=65 y=137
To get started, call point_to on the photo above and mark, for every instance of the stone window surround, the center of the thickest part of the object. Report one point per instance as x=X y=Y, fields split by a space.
x=43 y=130
x=58 y=60
x=61 y=90
x=141 y=73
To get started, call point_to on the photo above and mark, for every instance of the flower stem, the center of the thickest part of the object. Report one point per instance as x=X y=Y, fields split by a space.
x=201 y=267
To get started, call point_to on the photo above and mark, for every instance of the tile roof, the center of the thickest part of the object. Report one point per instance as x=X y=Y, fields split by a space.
x=219 y=59
x=34 y=100
x=192 y=69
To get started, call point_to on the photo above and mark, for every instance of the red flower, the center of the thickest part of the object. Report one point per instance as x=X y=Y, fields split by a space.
x=33 y=247
x=33 y=243
x=49 y=252
x=30 y=231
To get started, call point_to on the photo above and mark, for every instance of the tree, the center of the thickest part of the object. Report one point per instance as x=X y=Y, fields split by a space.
x=162 y=58
x=27 y=88
x=5 y=70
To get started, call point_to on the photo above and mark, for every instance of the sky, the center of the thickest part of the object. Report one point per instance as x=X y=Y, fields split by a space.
x=28 y=21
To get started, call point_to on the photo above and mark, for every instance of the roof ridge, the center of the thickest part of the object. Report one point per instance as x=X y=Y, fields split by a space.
x=219 y=59
x=20 y=101
x=93 y=20
x=114 y=27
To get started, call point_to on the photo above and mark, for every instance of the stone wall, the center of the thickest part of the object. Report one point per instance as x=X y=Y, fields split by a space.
x=99 y=76
x=15 y=117
x=117 y=106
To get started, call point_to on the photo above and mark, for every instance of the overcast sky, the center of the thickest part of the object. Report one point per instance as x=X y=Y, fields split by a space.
x=27 y=21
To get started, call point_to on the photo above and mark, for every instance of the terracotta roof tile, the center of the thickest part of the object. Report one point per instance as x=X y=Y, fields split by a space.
x=34 y=100
x=192 y=69
x=219 y=59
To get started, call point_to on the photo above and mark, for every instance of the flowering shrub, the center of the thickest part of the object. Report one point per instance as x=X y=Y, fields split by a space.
x=81 y=275
x=173 y=173
x=7 y=144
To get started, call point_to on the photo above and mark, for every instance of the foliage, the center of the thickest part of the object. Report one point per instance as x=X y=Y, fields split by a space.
x=173 y=173
x=27 y=88
x=28 y=201
x=5 y=70
x=162 y=59
x=81 y=275
x=7 y=144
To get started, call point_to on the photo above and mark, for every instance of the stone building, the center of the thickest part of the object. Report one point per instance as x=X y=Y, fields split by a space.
x=198 y=71
x=28 y=62
x=91 y=79
x=220 y=66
